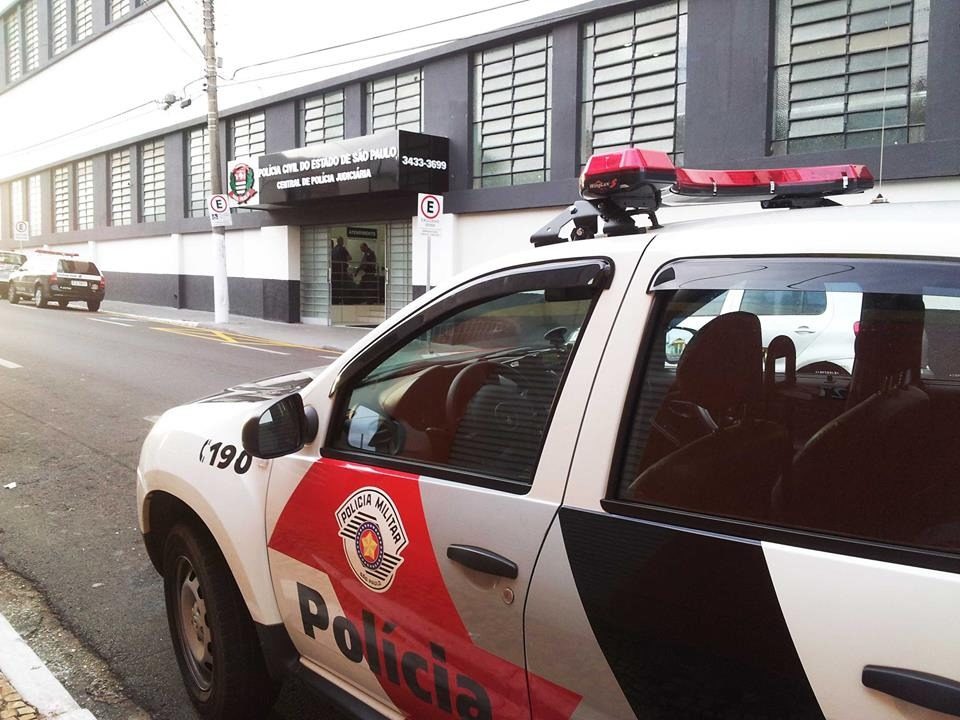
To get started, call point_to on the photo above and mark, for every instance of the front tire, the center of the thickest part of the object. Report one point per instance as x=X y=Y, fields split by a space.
x=40 y=296
x=93 y=305
x=213 y=635
x=12 y=295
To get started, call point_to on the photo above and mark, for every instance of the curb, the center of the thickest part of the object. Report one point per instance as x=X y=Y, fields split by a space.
x=151 y=318
x=33 y=680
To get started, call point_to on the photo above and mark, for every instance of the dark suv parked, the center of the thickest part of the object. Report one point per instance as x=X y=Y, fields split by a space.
x=63 y=277
x=9 y=261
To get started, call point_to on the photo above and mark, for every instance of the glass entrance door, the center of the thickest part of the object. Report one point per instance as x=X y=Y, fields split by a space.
x=355 y=274
x=314 y=274
x=399 y=290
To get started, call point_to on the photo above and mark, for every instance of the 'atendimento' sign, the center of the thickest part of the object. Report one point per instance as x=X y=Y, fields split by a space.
x=389 y=160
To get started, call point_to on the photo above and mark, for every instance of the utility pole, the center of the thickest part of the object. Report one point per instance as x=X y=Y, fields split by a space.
x=221 y=293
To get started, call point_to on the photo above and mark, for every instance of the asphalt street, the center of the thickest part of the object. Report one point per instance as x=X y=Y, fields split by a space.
x=78 y=394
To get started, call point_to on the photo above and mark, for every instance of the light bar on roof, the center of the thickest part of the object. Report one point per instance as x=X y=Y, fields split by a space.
x=624 y=171
x=799 y=181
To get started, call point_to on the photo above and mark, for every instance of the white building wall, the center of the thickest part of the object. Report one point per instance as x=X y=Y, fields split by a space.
x=271 y=253
x=484 y=236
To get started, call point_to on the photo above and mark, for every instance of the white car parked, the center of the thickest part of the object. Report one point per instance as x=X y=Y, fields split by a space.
x=822 y=324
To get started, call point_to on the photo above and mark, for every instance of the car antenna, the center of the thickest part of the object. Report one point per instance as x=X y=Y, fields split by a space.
x=880 y=199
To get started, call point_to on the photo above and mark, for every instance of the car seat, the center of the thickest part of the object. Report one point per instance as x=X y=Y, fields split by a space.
x=855 y=472
x=728 y=458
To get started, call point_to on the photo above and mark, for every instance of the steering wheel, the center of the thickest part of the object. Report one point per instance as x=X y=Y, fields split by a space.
x=467 y=383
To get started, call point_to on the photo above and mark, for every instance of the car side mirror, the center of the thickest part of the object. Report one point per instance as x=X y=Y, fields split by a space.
x=676 y=342
x=281 y=429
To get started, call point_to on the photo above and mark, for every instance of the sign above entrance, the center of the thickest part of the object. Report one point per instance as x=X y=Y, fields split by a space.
x=388 y=161
x=368 y=233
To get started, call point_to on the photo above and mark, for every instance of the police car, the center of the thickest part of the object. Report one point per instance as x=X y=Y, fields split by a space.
x=64 y=277
x=515 y=499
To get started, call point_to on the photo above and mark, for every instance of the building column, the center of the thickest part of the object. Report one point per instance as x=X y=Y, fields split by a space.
x=353 y=115
x=135 y=184
x=724 y=84
x=565 y=110
x=446 y=112
x=173 y=164
x=99 y=16
x=46 y=36
x=101 y=190
x=281 y=129
x=943 y=51
x=6 y=216
x=46 y=201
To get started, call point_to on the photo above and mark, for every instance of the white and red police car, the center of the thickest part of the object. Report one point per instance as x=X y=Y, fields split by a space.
x=525 y=497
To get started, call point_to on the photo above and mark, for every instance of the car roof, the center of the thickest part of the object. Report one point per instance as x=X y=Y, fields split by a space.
x=54 y=257
x=921 y=229
x=916 y=229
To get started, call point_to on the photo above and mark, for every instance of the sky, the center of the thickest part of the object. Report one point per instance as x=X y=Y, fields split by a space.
x=108 y=90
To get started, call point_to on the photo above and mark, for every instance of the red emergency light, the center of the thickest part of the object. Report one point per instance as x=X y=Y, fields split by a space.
x=623 y=172
x=617 y=186
x=799 y=181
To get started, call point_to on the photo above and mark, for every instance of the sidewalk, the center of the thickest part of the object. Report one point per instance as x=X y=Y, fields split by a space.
x=318 y=336
x=28 y=690
x=12 y=705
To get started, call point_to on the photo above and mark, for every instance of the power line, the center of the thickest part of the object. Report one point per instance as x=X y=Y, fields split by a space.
x=375 y=37
x=376 y=56
x=79 y=129
x=228 y=83
x=186 y=27
x=169 y=34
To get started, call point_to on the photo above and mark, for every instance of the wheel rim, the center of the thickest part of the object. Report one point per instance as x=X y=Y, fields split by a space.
x=38 y=297
x=194 y=634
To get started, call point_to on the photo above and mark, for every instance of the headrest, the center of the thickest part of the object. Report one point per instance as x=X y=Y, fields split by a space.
x=889 y=344
x=722 y=366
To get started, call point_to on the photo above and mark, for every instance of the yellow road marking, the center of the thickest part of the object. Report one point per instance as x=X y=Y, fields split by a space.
x=222 y=336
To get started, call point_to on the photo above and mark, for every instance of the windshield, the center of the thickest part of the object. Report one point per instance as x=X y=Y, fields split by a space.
x=10 y=260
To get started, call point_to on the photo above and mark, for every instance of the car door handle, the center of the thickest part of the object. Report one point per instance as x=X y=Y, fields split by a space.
x=804 y=330
x=483 y=560
x=920 y=688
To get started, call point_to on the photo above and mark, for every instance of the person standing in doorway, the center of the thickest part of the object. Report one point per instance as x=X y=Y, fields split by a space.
x=340 y=273
x=368 y=266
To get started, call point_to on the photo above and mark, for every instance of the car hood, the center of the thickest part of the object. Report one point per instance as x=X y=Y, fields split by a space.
x=267 y=389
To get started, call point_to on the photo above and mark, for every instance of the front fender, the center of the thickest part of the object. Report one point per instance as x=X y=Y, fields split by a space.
x=230 y=504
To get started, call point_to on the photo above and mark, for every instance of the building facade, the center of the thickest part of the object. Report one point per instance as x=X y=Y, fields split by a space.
x=715 y=83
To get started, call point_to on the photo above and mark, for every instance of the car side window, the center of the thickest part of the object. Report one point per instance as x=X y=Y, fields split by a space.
x=855 y=436
x=473 y=392
x=783 y=302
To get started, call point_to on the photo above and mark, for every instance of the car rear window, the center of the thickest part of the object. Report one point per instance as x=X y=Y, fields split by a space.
x=80 y=267
x=11 y=259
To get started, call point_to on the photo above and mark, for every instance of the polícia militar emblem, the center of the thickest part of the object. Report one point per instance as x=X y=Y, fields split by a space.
x=373 y=537
x=241 y=181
